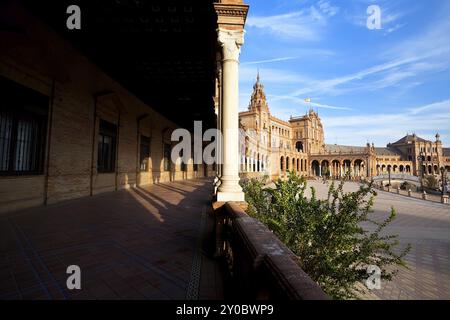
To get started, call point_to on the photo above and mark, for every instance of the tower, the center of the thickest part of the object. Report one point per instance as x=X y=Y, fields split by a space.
x=258 y=100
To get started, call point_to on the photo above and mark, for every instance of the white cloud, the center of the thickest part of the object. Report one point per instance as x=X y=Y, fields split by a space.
x=411 y=59
x=247 y=74
x=358 y=129
x=390 y=15
x=394 y=28
x=327 y=8
x=305 y=24
x=329 y=85
x=302 y=102
x=268 y=60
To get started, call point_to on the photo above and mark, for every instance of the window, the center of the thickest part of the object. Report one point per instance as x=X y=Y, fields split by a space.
x=23 y=129
x=167 y=151
x=106 y=147
x=144 y=153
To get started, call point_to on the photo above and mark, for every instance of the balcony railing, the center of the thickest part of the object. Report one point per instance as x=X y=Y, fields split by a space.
x=260 y=266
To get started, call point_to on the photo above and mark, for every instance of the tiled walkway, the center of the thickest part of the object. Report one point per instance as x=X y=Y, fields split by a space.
x=132 y=244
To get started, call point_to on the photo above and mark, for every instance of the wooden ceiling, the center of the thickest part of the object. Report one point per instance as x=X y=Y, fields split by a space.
x=162 y=51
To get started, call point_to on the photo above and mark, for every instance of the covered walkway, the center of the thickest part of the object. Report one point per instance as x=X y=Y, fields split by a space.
x=133 y=244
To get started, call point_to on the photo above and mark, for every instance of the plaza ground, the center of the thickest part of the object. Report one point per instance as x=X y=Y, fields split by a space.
x=426 y=226
x=149 y=243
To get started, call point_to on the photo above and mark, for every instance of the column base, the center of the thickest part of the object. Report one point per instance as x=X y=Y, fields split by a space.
x=230 y=196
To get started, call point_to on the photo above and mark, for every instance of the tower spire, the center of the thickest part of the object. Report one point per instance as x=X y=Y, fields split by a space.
x=258 y=99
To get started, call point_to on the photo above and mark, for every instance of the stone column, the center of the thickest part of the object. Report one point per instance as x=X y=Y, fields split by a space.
x=231 y=42
x=218 y=103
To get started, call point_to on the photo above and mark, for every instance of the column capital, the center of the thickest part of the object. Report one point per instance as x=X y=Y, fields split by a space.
x=231 y=42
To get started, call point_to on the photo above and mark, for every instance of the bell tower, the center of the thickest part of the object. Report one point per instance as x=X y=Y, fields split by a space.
x=258 y=100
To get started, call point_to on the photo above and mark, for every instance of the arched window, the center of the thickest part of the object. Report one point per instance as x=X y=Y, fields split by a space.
x=299 y=146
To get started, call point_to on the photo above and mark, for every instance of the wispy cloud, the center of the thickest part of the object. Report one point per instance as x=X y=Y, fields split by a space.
x=271 y=76
x=394 y=28
x=268 y=60
x=329 y=85
x=358 y=129
x=390 y=15
x=302 y=24
x=303 y=103
x=426 y=54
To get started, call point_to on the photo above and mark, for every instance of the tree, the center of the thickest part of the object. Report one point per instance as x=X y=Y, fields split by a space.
x=327 y=235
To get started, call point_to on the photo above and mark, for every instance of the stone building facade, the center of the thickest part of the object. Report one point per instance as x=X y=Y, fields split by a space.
x=271 y=146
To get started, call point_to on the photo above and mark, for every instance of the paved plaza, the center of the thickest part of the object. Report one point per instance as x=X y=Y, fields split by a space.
x=426 y=226
x=133 y=244
x=149 y=243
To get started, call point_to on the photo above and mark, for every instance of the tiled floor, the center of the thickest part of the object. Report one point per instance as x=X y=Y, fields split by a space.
x=131 y=244
x=426 y=226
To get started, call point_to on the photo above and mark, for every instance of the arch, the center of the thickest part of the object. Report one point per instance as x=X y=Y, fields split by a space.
x=395 y=168
x=408 y=169
x=299 y=146
x=287 y=163
x=401 y=168
x=293 y=164
x=430 y=169
x=429 y=158
x=336 y=168
x=315 y=168
x=282 y=164
x=358 y=167
x=325 y=168
x=436 y=169
x=347 y=166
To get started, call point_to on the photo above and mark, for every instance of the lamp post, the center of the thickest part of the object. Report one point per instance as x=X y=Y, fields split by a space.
x=443 y=180
x=421 y=158
x=389 y=172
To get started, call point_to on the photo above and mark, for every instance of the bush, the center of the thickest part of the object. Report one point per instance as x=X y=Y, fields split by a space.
x=327 y=236
x=408 y=186
x=430 y=182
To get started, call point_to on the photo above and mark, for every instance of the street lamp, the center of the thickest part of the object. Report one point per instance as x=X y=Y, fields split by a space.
x=443 y=180
x=389 y=172
x=421 y=158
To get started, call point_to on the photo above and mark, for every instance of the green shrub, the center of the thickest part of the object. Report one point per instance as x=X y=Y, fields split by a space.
x=327 y=235
x=430 y=181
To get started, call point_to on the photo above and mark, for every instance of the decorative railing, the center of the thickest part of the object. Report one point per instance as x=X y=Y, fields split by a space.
x=396 y=176
x=259 y=265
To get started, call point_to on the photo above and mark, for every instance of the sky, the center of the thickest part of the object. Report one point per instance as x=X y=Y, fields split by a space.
x=368 y=85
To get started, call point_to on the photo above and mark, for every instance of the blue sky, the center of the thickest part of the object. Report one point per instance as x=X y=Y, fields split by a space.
x=368 y=85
